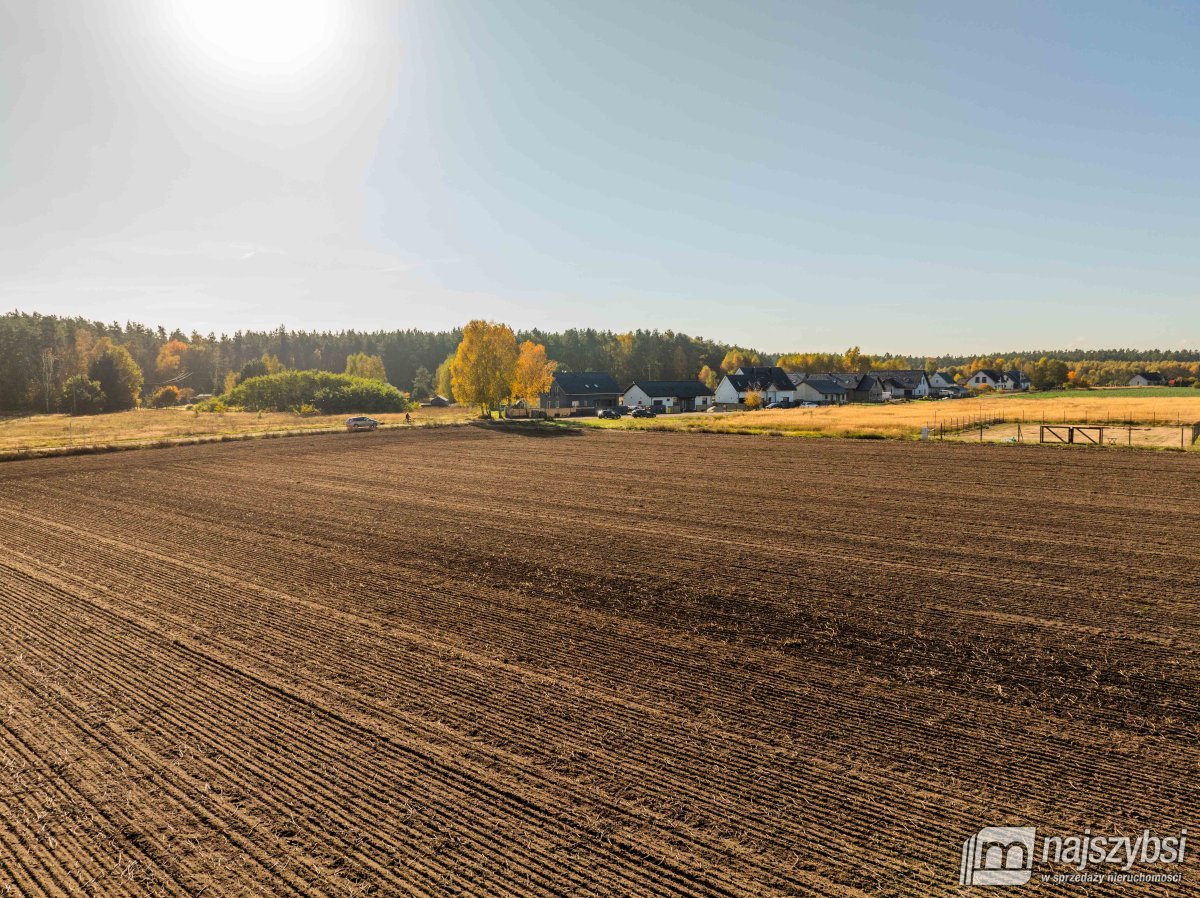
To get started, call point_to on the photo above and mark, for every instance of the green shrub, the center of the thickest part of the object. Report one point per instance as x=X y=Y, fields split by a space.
x=329 y=392
x=215 y=404
x=363 y=396
x=81 y=396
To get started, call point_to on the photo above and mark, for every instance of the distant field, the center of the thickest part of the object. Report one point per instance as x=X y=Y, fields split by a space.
x=146 y=425
x=52 y=433
x=905 y=420
x=1140 y=392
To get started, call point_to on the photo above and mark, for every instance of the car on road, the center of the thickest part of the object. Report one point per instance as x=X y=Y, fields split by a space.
x=608 y=414
x=642 y=413
x=361 y=422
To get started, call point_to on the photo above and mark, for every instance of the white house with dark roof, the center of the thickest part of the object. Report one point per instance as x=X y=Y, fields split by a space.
x=903 y=384
x=669 y=395
x=1004 y=381
x=1147 y=379
x=984 y=377
x=772 y=383
x=826 y=389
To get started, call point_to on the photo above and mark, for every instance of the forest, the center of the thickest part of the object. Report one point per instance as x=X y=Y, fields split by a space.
x=41 y=354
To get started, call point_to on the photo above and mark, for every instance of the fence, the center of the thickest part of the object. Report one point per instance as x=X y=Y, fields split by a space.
x=1097 y=432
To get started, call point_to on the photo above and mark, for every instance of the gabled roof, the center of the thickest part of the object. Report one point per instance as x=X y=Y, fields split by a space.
x=990 y=372
x=760 y=378
x=586 y=383
x=909 y=380
x=1152 y=376
x=825 y=385
x=849 y=381
x=945 y=375
x=682 y=389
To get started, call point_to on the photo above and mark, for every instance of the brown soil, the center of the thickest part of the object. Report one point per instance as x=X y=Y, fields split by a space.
x=484 y=661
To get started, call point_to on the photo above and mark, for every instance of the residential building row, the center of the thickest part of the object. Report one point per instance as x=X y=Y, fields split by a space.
x=587 y=392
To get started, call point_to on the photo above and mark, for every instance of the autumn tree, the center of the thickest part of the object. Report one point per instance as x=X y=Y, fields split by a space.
x=369 y=366
x=171 y=361
x=119 y=377
x=737 y=358
x=754 y=400
x=483 y=366
x=533 y=373
x=443 y=380
x=709 y=377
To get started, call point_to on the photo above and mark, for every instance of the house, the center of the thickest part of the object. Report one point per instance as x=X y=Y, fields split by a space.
x=984 y=377
x=771 y=383
x=822 y=388
x=1014 y=381
x=867 y=388
x=912 y=384
x=669 y=395
x=1147 y=379
x=942 y=380
x=580 y=393
x=439 y=401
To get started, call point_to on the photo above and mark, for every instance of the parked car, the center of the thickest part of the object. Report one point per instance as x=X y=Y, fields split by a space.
x=608 y=414
x=361 y=422
x=779 y=404
x=810 y=404
x=642 y=413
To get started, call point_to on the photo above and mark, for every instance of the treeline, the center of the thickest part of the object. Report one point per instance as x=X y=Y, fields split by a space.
x=39 y=353
x=46 y=361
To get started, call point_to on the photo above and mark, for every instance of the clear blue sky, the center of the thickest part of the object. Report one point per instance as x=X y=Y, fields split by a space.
x=923 y=178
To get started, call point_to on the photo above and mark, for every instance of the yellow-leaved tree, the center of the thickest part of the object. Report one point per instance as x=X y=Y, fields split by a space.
x=360 y=364
x=533 y=374
x=483 y=366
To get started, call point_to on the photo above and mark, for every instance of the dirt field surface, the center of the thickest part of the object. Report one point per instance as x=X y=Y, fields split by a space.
x=484 y=661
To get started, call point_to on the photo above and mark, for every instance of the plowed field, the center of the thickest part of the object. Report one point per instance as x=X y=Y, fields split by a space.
x=480 y=661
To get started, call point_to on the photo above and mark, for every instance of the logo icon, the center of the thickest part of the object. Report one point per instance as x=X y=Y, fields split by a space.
x=998 y=856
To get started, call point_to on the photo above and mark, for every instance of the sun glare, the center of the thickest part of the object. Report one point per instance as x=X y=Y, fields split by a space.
x=260 y=39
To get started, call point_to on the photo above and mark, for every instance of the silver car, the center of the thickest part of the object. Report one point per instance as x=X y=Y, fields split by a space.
x=361 y=422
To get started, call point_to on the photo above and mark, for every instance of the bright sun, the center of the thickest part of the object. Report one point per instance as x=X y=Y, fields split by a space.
x=269 y=39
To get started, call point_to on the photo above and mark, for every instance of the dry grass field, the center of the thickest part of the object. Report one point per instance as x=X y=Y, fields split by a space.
x=905 y=420
x=146 y=426
x=550 y=661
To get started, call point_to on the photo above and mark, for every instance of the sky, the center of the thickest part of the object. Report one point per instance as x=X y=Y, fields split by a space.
x=925 y=177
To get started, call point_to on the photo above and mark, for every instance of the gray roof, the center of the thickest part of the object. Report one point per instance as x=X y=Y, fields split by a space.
x=587 y=383
x=760 y=378
x=909 y=380
x=990 y=372
x=826 y=385
x=1150 y=375
x=681 y=389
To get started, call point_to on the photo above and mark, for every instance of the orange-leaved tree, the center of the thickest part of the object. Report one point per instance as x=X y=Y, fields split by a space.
x=533 y=373
x=482 y=370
